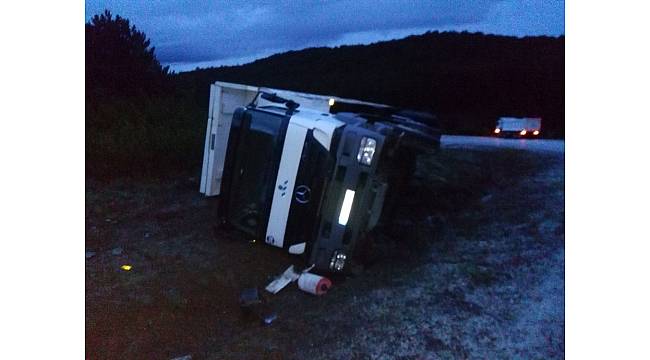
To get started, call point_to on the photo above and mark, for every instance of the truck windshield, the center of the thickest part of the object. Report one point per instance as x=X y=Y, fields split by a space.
x=256 y=167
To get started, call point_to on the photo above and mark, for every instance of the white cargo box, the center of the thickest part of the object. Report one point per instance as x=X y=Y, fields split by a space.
x=518 y=124
x=224 y=99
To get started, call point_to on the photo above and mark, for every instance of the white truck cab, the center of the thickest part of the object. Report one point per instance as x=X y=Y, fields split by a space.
x=296 y=171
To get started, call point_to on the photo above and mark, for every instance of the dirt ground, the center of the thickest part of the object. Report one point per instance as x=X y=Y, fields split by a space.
x=472 y=267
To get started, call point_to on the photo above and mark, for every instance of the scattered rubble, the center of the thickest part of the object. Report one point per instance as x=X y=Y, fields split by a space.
x=269 y=318
x=253 y=306
x=186 y=357
x=288 y=276
x=249 y=297
x=486 y=198
x=314 y=284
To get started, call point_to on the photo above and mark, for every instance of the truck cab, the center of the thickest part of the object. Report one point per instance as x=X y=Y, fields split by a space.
x=306 y=179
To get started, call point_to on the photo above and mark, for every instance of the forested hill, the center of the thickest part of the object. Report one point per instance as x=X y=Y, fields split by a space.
x=468 y=79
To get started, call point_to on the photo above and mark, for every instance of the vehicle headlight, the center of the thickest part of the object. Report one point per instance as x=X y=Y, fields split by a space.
x=366 y=150
x=338 y=261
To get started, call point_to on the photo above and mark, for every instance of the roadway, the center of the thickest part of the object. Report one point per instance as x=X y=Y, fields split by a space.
x=536 y=145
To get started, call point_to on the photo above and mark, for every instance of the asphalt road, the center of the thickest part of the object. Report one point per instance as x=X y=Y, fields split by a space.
x=537 y=145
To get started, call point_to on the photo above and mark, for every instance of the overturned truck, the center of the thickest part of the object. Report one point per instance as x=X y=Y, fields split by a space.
x=308 y=173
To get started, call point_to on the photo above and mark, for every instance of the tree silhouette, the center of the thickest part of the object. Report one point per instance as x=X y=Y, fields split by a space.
x=119 y=59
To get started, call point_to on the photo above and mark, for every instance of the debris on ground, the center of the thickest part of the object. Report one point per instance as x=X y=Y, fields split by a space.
x=117 y=251
x=249 y=297
x=314 y=284
x=89 y=254
x=486 y=198
x=268 y=318
x=126 y=267
x=253 y=306
x=186 y=357
x=288 y=276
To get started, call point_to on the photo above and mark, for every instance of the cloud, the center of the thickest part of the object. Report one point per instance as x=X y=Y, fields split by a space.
x=522 y=17
x=214 y=32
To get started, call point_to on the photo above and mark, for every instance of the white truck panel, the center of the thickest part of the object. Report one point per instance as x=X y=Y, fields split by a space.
x=323 y=127
x=284 y=184
x=223 y=102
x=533 y=124
x=518 y=124
x=205 y=178
x=322 y=124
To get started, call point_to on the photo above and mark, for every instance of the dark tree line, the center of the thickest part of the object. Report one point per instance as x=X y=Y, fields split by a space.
x=140 y=119
x=120 y=61
x=468 y=79
x=137 y=121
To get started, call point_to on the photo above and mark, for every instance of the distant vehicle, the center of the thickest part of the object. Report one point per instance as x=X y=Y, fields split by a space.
x=297 y=172
x=518 y=127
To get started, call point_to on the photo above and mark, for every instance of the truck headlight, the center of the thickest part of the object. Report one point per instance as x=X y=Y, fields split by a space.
x=366 y=150
x=337 y=263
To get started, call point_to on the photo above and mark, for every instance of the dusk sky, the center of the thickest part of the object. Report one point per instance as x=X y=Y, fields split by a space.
x=188 y=34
